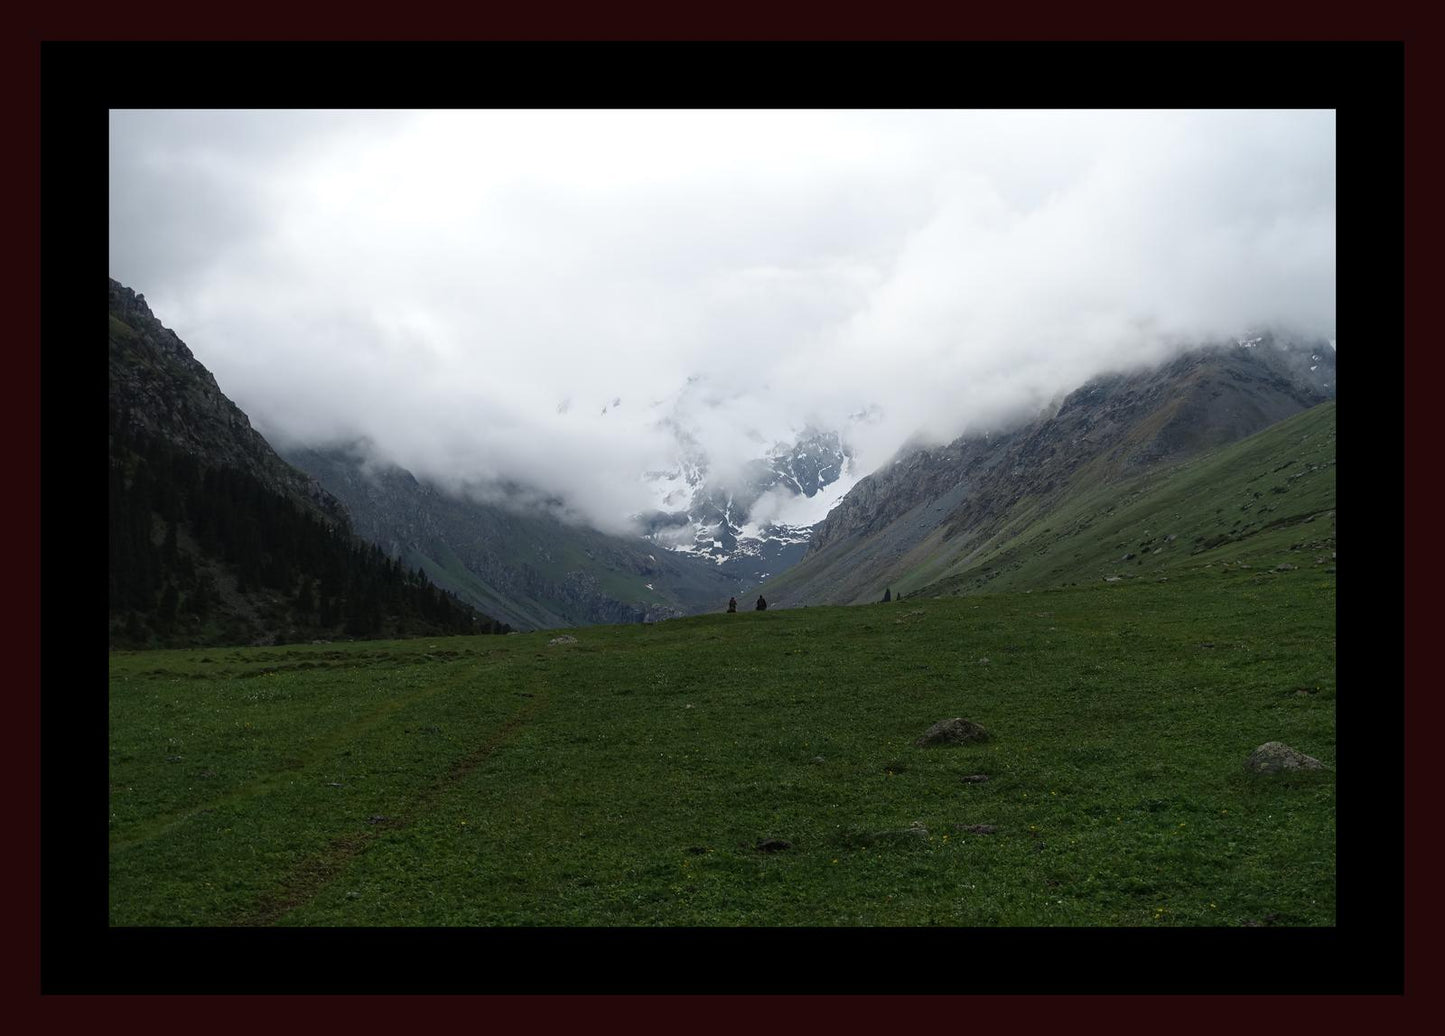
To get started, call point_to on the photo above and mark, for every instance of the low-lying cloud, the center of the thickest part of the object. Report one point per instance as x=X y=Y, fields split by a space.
x=547 y=298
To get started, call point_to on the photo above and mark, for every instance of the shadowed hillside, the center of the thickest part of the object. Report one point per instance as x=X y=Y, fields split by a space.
x=213 y=538
x=528 y=568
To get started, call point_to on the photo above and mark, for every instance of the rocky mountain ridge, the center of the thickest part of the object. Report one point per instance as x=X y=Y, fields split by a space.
x=758 y=521
x=953 y=496
x=213 y=538
x=158 y=386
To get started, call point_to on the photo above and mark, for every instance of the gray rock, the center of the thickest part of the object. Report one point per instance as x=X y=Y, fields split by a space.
x=974 y=778
x=1274 y=756
x=564 y=639
x=956 y=731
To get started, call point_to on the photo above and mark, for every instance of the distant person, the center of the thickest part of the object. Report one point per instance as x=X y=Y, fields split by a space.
x=732 y=604
x=762 y=604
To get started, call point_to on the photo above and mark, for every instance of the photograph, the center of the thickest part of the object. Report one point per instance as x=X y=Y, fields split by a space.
x=722 y=517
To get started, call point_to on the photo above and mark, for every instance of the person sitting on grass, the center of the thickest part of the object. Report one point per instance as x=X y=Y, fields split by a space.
x=762 y=604
x=732 y=604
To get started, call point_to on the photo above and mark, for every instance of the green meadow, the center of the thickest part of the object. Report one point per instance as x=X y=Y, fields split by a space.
x=753 y=769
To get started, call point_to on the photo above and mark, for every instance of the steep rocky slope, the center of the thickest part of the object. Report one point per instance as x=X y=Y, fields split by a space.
x=917 y=518
x=159 y=387
x=760 y=522
x=213 y=538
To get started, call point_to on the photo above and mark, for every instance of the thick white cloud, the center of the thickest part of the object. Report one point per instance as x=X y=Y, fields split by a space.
x=473 y=290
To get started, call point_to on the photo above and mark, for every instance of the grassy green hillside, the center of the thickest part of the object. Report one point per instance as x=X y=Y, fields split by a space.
x=1268 y=500
x=1261 y=502
x=636 y=775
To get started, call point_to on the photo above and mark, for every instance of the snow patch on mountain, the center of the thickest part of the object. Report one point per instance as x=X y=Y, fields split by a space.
x=750 y=514
x=778 y=509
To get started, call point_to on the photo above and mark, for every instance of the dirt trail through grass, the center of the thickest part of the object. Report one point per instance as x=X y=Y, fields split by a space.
x=307 y=880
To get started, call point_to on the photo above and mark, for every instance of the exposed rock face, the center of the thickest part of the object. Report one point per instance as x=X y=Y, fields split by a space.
x=956 y=731
x=1112 y=427
x=1276 y=756
x=157 y=384
x=213 y=537
x=816 y=460
x=700 y=516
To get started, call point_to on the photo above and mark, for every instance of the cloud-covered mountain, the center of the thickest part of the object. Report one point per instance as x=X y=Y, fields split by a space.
x=934 y=509
x=499 y=297
x=756 y=518
x=507 y=553
x=213 y=538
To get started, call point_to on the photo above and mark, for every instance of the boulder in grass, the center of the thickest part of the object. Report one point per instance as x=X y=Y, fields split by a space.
x=956 y=731
x=564 y=639
x=1275 y=756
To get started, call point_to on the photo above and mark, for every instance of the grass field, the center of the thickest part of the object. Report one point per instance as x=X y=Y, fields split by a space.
x=628 y=778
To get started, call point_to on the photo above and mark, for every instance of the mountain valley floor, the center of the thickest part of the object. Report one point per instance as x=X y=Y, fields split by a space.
x=756 y=769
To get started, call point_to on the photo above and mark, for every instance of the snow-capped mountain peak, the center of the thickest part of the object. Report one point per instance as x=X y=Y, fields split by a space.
x=754 y=519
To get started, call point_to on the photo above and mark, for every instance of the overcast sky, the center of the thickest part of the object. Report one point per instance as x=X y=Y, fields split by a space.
x=525 y=294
